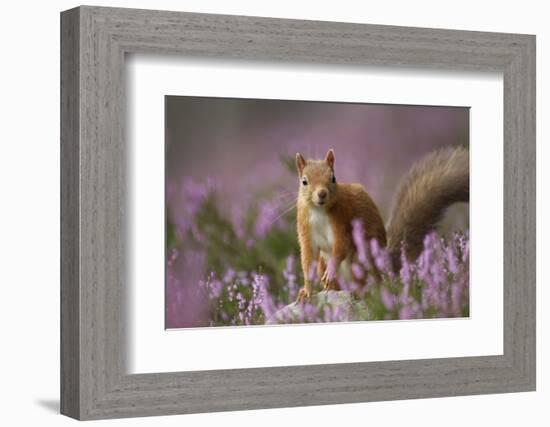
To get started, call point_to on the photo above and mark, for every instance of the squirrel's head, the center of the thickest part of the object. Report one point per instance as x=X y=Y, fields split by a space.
x=317 y=180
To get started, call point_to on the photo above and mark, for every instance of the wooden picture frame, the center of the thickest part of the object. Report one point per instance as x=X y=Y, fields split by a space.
x=94 y=382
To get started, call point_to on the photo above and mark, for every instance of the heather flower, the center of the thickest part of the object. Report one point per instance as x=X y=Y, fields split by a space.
x=312 y=274
x=268 y=217
x=405 y=272
x=229 y=275
x=327 y=314
x=410 y=311
x=290 y=276
x=437 y=274
x=357 y=271
x=388 y=299
x=358 y=233
x=381 y=256
x=331 y=269
x=334 y=313
x=195 y=194
x=243 y=278
x=452 y=260
x=215 y=288
x=311 y=312
x=264 y=299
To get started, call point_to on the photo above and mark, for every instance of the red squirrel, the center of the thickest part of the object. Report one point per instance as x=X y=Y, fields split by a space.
x=326 y=209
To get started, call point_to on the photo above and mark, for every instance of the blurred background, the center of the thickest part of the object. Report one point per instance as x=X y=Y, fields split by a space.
x=231 y=182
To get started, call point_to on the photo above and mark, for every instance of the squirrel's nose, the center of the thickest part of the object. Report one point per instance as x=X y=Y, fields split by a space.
x=322 y=194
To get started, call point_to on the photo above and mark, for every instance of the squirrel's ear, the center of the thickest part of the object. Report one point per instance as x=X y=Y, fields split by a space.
x=300 y=163
x=330 y=158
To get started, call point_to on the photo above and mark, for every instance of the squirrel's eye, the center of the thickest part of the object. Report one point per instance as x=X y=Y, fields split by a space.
x=304 y=181
x=333 y=179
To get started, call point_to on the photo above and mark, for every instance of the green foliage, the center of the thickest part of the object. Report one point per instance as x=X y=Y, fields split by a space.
x=224 y=249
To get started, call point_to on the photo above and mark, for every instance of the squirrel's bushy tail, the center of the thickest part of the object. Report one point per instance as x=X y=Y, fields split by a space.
x=433 y=184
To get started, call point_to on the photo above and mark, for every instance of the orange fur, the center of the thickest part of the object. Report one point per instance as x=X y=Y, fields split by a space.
x=327 y=208
x=342 y=204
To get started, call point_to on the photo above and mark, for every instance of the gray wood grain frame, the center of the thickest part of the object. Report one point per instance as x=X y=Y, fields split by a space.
x=94 y=381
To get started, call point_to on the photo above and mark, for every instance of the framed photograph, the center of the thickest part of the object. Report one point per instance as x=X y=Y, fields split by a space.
x=261 y=213
x=252 y=227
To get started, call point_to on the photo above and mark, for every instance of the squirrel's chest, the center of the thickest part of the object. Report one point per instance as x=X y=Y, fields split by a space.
x=321 y=231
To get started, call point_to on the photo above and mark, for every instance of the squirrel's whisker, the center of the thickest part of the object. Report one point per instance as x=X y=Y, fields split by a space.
x=281 y=194
x=287 y=210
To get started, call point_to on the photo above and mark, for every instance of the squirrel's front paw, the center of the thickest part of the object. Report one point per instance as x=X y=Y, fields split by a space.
x=303 y=296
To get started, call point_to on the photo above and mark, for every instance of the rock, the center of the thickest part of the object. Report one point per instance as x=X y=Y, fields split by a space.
x=326 y=306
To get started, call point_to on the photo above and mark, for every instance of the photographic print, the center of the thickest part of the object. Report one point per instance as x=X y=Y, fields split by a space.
x=283 y=211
